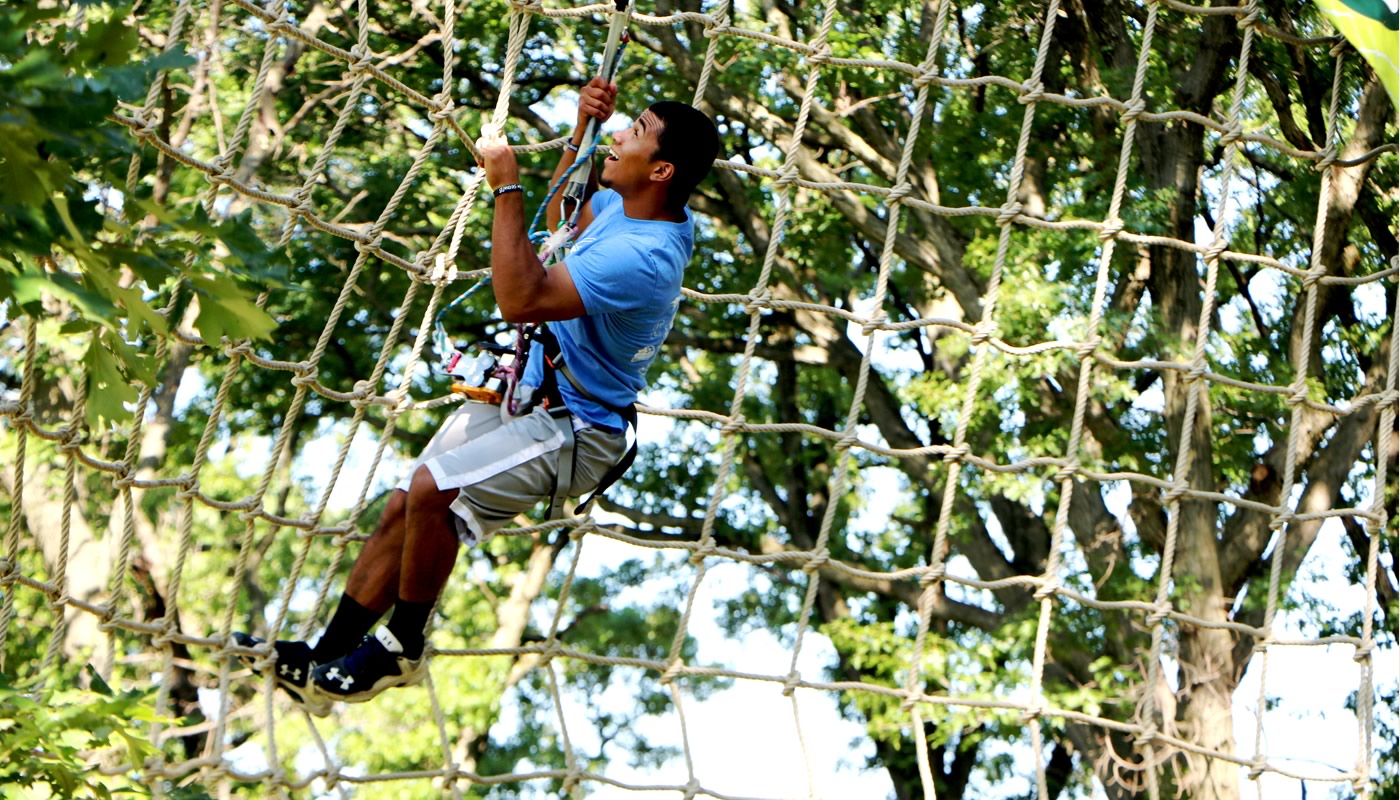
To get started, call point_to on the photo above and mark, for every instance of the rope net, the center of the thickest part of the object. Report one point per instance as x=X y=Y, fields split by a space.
x=217 y=130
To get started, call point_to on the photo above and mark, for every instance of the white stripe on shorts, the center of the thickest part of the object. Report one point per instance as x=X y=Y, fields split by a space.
x=496 y=467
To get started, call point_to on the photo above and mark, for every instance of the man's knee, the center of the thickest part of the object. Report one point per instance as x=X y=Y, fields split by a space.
x=423 y=490
x=397 y=504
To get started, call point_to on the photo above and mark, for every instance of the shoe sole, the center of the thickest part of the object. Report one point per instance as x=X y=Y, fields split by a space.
x=387 y=682
x=306 y=697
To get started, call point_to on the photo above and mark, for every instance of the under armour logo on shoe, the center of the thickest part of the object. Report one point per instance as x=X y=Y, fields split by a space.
x=345 y=680
x=287 y=672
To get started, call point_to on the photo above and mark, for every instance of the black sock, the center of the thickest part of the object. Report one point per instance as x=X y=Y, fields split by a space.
x=407 y=625
x=348 y=627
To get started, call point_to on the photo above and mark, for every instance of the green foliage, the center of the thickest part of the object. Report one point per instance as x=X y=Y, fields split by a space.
x=48 y=737
x=58 y=236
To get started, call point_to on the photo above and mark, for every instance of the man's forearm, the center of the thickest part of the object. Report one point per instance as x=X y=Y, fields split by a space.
x=516 y=274
x=554 y=211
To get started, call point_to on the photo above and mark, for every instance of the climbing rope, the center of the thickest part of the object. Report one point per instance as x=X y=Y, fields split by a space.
x=201 y=31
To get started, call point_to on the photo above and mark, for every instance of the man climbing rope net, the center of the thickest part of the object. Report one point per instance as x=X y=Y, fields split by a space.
x=612 y=303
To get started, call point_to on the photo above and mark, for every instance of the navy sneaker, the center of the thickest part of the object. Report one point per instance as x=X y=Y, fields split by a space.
x=377 y=664
x=292 y=671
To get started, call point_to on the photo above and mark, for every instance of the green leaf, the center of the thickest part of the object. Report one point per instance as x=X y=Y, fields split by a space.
x=225 y=310
x=31 y=287
x=108 y=388
x=98 y=685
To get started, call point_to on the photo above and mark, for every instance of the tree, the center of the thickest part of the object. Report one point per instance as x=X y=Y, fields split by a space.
x=779 y=496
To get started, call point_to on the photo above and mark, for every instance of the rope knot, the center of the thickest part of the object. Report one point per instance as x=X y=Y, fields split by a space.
x=733 y=426
x=1032 y=94
x=305 y=374
x=717 y=26
x=1314 y=276
x=790 y=683
x=702 y=552
x=1132 y=110
x=1145 y=737
x=820 y=55
x=759 y=299
x=303 y=206
x=1299 y=396
x=443 y=271
x=1232 y=133
x=1256 y=768
x=932 y=575
x=875 y=323
x=1047 y=589
x=956 y=454
x=223 y=171
x=1159 y=615
x=444 y=110
x=147 y=124
x=1032 y=714
x=692 y=789
x=21 y=416
x=899 y=192
x=1339 y=47
x=282 y=23
x=363 y=59
x=1110 y=229
x=492 y=135
x=1089 y=346
x=1175 y=493
x=1282 y=519
x=847 y=441
x=1008 y=213
x=551 y=650
x=188 y=488
x=673 y=671
x=787 y=177
x=816 y=562
x=1067 y=472
x=1197 y=372
x=983 y=332
x=1363 y=652
x=59 y=602
x=1216 y=249
x=370 y=244
x=1250 y=19
x=124 y=480
x=925 y=77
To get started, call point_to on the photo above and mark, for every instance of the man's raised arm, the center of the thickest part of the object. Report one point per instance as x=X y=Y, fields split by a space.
x=596 y=100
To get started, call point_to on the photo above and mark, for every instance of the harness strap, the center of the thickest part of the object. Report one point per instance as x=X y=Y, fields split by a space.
x=564 y=475
x=554 y=361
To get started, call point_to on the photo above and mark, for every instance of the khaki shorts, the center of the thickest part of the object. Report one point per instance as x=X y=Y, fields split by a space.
x=505 y=467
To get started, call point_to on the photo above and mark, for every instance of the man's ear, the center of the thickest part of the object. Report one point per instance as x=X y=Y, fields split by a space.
x=663 y=171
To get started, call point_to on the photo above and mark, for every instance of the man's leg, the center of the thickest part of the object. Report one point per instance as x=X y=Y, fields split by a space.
x=372 y=587
x=429 y=554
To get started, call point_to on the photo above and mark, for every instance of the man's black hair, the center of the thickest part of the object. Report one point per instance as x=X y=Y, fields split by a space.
x=689 y=141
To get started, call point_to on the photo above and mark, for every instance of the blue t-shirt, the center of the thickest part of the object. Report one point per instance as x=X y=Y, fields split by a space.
x=628 y=275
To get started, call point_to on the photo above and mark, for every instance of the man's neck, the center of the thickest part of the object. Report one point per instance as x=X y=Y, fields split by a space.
x=650 y=206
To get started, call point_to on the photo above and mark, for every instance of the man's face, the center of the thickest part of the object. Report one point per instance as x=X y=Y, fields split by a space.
x=631 y=163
